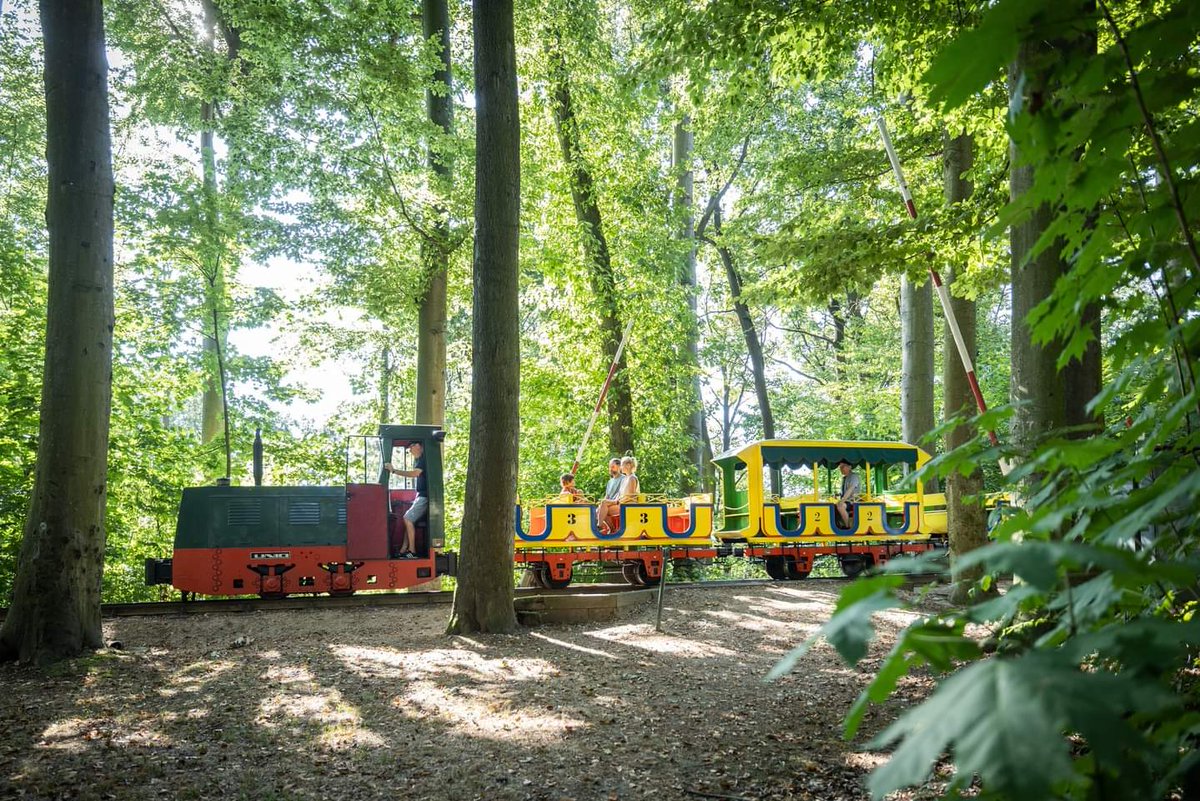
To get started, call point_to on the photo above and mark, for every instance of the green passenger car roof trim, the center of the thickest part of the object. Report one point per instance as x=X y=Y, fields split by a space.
x=796 y=453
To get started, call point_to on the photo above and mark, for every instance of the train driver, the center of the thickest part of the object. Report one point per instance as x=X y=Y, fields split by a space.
x=420 y=504
x=851 y=487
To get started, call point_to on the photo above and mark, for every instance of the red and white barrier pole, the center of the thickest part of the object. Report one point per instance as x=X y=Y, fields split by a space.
x=943 y=293
x=603 y=392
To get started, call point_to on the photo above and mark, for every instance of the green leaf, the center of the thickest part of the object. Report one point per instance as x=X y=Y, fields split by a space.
x=976 y=57
x=1005 y=720
x=929 y=642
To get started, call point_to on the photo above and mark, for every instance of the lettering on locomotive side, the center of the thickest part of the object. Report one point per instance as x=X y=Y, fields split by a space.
x=271 y=555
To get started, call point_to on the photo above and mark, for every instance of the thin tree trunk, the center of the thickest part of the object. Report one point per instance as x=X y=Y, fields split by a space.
x=700 y=447
x=385 y=384
x=55 y=611
x=483 y=600
x=595 y=246
x=916 y=364
x=966 y=519
x=431 y=325
x=753 y=343
x=212 y=401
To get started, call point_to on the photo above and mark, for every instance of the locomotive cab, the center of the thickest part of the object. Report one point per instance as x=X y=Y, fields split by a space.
x=379 y=500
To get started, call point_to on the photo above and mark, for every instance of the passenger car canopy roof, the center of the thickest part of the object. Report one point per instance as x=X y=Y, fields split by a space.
x=778 y=454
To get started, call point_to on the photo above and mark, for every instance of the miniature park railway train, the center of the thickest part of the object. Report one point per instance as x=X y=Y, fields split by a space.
x=278 y=541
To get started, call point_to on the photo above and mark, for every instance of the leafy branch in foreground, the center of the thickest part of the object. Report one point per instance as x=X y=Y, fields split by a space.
x=1083 y=679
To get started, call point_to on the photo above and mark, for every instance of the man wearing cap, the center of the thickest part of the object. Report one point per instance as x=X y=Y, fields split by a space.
x=851 y=487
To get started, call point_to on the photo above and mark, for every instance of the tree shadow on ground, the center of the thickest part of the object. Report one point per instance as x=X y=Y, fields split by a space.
x=376 y=703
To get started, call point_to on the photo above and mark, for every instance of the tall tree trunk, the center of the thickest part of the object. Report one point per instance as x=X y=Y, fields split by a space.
x=431 y=325
x=753 y=343
x=1036 y=389
x=595 y=246
x=212 y=417
x=966 y=519
x=55 y=611
x=483 y=600
x=1083 y=378
x=700 y=447
x=916 y=364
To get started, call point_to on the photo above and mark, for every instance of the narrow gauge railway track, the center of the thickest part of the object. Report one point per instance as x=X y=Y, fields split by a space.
x=369 y=599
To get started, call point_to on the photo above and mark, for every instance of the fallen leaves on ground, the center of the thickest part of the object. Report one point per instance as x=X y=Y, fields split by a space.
x=377 y=703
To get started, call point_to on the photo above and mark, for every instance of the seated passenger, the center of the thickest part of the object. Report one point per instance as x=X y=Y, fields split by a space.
x=612 y=490
x=851 y=487
x=627 y=492
x=569 y=492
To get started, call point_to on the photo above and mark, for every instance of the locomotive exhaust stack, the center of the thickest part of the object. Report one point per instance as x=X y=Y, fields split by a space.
x=258 y=457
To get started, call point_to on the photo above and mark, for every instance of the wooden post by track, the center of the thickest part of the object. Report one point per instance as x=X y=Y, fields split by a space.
x=662 y=583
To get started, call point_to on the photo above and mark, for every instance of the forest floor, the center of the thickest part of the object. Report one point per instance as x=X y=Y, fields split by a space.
x=378 y=703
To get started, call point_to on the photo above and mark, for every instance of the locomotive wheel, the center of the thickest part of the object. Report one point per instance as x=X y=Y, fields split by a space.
x=793 y=570
x=776 y=568
x=853 y=566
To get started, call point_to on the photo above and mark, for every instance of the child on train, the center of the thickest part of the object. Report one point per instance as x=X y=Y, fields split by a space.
x=569 y=493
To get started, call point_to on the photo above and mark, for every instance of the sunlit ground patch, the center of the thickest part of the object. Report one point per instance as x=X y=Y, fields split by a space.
x=896 y=617
x=644 y=637
x=572 y=646
x=288 y=674
x=78 y=734
x=791 y=602
x=481 y=711
x=194 y=677
x=762 y=624
x=340 y=722
x=439 y=662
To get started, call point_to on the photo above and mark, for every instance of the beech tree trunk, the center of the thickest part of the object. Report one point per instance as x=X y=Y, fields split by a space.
x=916 y=364
x=1036 y=390
x=1083 y=378
x=967 y=520
x=700 y=447
x=55 y=611
x=435 y=255
x=595 y=246
x=483 y=600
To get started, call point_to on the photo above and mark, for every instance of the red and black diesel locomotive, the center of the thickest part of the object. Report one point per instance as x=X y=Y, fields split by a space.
x=277 y=541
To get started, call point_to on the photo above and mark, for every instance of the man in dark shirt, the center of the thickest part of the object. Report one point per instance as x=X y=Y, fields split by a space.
x=421 y=504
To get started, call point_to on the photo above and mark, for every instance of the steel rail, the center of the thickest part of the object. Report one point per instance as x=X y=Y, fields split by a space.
x=376 y=599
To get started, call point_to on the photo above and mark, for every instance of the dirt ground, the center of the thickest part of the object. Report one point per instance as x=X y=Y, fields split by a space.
x=379 y=703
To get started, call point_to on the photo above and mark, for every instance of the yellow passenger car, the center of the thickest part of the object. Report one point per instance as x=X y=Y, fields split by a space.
x=639 y=538
x=780 y=491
